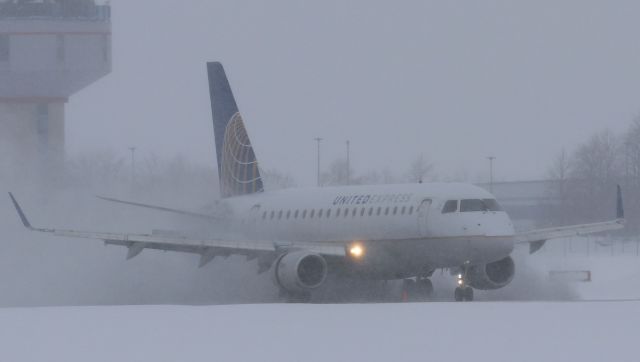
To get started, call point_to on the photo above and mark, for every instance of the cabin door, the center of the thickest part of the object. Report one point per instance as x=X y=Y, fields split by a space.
x=423 y=215
x=254 y=216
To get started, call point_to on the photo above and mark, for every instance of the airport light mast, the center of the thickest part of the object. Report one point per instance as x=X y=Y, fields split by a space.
x=491 y=158
x=348 y=162
x=318 y=140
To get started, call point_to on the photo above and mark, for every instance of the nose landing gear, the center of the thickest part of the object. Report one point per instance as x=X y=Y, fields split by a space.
x=463 y=292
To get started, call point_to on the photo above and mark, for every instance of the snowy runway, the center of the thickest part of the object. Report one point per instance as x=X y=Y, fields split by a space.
x=491 y=331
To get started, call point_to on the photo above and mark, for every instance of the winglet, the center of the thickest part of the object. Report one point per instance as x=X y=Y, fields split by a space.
x=619 y=205
x=24 y=219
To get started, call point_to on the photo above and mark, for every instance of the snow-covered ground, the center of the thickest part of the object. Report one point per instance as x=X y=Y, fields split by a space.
x=484 y=331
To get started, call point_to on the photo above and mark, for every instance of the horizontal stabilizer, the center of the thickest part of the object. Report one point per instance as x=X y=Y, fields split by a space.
x=160 y=208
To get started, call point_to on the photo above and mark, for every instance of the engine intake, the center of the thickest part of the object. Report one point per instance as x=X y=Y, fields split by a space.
x=299 y=271
x=492 y=275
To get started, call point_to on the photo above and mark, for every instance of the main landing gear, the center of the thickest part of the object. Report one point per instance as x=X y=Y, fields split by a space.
x=417 y=290
x=463 y=292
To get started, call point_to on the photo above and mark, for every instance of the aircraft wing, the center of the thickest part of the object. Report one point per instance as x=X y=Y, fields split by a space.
x=207 y=248
x=537 y=238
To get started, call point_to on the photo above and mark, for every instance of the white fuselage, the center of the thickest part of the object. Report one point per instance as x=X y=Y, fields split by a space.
x=403 y=228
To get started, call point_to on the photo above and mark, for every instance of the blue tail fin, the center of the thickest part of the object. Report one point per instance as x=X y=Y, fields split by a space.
x=237 y=163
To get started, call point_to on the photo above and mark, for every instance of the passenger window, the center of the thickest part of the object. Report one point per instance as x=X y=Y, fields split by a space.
x=346 y=212
x=295 y=215
x=450 y=206
x=273 y=213
x=328 y=213
x=353 y=213
x=404 y=208
x=280 y=215
x=411 y=210
x=395 y=210
x=304 y=213
x=320 y=213
x=362 y=212
x=338 y=212
x=370 y=211
x=386 y=210
x=264 y=215
x=313 y=211
x=288 y=214
x=378 y=211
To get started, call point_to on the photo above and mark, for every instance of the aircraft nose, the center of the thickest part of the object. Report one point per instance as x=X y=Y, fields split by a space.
x=499 y=225
x=502 y=235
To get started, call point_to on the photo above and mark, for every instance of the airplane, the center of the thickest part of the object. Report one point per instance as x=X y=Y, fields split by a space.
x=380 y=232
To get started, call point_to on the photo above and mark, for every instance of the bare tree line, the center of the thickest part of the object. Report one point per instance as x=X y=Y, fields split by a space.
x=583 y=182
x=106 y=172
x=419 y=170
x=176 y=181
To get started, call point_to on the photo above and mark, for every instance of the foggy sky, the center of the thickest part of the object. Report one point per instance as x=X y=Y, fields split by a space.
x=457 y=81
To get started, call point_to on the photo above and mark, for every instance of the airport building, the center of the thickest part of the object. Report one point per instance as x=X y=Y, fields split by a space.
x=527 y=202
x=49 y=50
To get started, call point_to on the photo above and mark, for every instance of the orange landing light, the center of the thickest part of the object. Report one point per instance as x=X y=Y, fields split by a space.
x=356 y=251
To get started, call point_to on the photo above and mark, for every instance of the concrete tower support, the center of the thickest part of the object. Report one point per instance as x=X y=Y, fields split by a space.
x=48 y=51
x=31 y=138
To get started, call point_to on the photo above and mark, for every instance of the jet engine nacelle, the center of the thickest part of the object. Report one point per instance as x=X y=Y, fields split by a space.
x=492 y=275
x=299 y=271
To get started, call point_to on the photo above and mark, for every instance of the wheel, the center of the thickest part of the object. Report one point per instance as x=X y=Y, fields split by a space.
x=468 y=294
x=416 y=291
x=425 y=287
x=458 y=294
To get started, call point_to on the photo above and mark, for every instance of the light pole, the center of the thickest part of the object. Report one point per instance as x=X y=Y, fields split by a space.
x=348 y=163
x=133 y=165
x=491 y=158
x=318 y=140
x=626 y=164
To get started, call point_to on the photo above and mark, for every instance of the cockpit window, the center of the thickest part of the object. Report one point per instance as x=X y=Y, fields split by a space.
x=492 y=204
x=479 y=205
x=450 y=206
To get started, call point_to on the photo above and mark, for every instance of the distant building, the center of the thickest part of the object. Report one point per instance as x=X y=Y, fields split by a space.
x=48 y=51
x=527 y=202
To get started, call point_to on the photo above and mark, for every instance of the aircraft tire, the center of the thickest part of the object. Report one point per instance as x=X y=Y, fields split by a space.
x=425 y=286
x=458 y=294
x=468 y=294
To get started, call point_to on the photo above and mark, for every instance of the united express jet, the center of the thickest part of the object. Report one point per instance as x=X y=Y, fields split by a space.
x=382 y=232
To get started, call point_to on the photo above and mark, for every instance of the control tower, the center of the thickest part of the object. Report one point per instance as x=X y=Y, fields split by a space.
x=49 y=49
